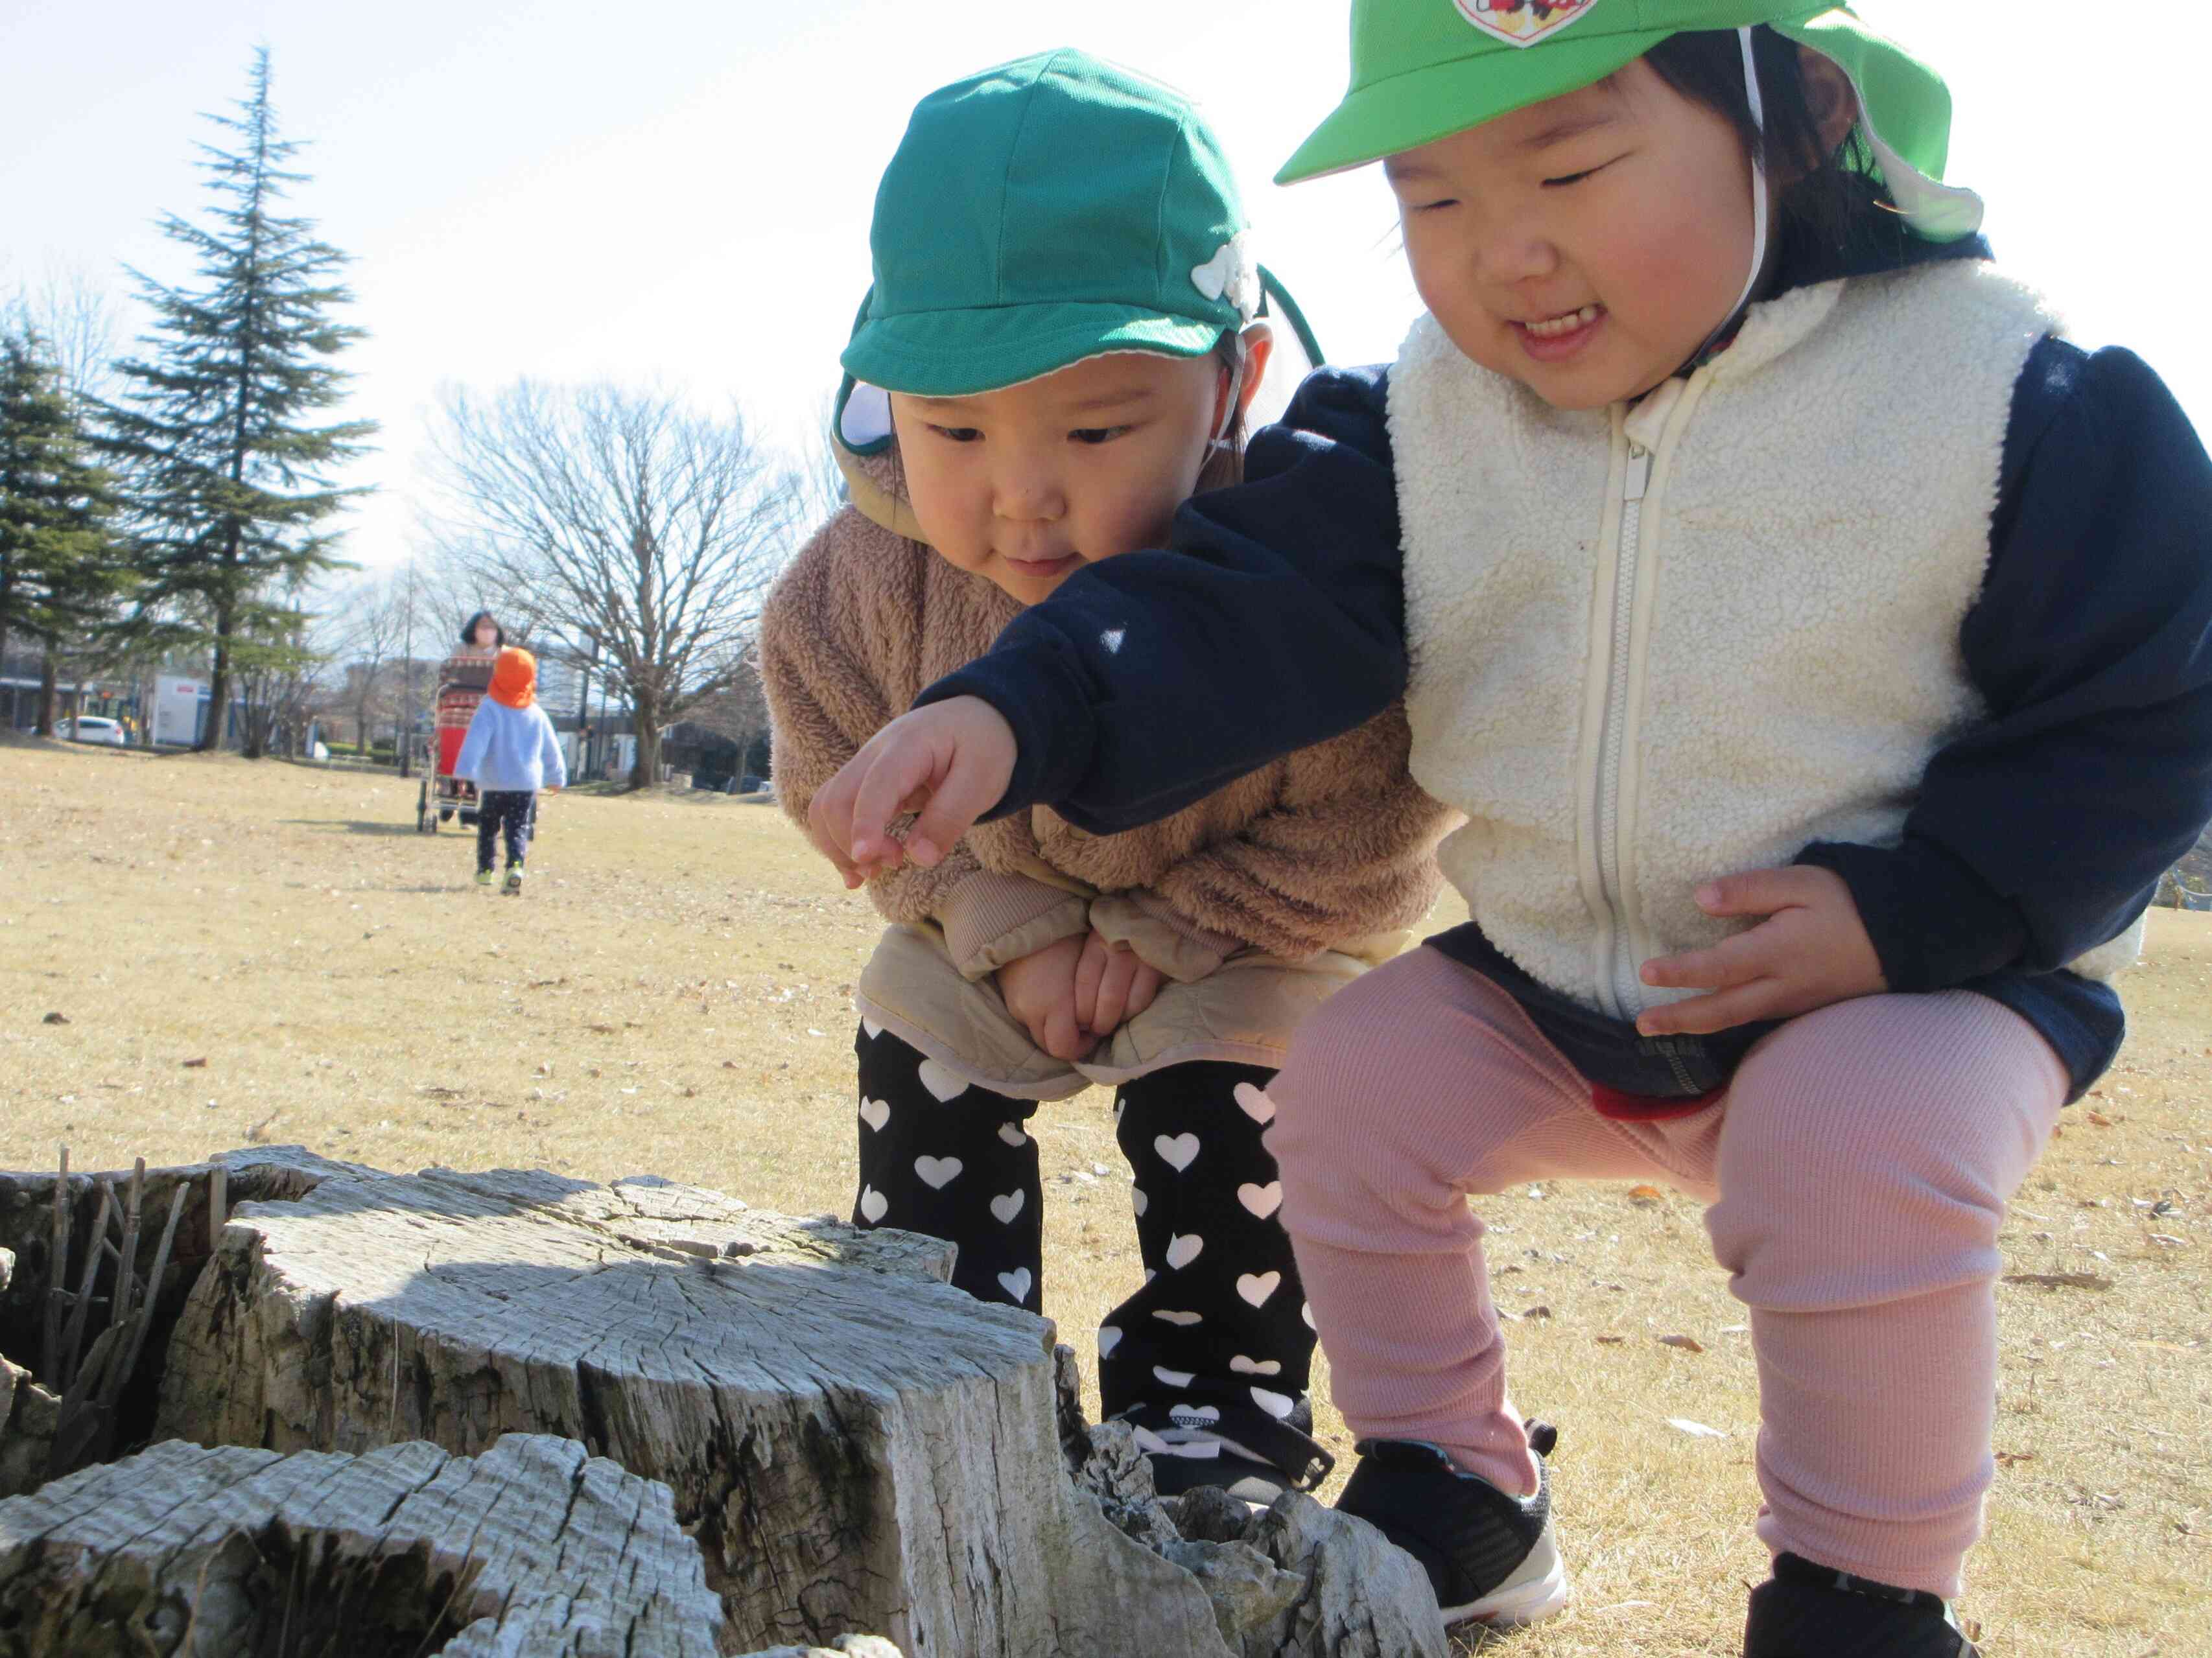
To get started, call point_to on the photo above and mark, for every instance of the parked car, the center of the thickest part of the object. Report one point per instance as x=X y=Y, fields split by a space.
x=91 y=728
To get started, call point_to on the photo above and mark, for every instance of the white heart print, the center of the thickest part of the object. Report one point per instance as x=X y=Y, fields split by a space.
x=937 y=1173
x=1017 y=1284
x=1244 y=1366
x=1254 y=1103
x=1277 y=1405
x=1186 y=1415
x=873 y=1204
x=876 y=1113
x=1261 y=1200
x=1174 y=1378
x=1109 y=1339
x=1013 y=1135
x=1257 y=1287
x=1178 y=1153
x=1003 y=1210
x=1137 y=1197
x=1183 y=1250
x=1183 y=1320
x=941 y=1083
x=1305 y=1312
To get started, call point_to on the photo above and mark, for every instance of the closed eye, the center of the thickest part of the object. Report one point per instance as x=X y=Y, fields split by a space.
x=957 y=434
x=1097 y=434
x=1563 y=181
x=1433 y=207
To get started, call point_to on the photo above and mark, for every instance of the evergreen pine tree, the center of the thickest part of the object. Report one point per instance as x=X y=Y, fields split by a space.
x=59 y=575
x=228 y=486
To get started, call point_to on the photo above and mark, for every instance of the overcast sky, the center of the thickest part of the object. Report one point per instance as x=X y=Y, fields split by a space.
x=677 y=190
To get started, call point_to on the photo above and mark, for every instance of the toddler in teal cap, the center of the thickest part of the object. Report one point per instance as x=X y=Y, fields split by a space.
x=1820 y=646
x=1063 y=339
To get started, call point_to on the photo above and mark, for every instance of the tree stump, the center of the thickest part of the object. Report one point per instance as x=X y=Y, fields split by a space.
x=76 y=1220
x=531 y=1548
x=854 y=1444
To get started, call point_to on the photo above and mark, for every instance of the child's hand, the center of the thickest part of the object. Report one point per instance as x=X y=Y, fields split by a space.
x=1112 y=984
x=1812 y=950
x=1040 y=992
x=949 y=762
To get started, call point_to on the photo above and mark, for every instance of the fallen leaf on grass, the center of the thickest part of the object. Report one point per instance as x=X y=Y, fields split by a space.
x=1610 y=1341
x=1687 y=1343
x=1644 y=1195
x=2061 y=1280
x=1695 y=1429
x=2100 y=1119
x=2006 y=1459
x=603 y=1029
x=438 y=1090
x=259 y=1131
x=1537 y=1312
x=55 y=1018
x=196 y=1065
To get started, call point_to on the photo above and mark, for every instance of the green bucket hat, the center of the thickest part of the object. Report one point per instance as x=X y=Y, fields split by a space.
x=1050 y=209
x=1422 y=70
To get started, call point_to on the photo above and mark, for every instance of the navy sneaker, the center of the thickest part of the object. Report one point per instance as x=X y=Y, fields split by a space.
x=1806 y=1610
x=1492 y=1557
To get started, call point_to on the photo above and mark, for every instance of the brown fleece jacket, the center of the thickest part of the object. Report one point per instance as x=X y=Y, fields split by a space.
x=1331 y=846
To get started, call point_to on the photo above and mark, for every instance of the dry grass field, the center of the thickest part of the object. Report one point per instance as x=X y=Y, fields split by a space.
x=270 y=952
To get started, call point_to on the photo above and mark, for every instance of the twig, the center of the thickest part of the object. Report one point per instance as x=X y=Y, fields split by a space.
x=126 y=1272
x=74 y=1336
x=78 y=1422
x=122 y=1374
x=58 y=1269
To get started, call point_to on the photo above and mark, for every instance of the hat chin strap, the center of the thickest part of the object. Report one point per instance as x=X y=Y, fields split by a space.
x=1759 y=214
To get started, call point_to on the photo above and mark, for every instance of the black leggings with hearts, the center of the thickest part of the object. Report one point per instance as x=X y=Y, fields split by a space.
x=1217 y=1337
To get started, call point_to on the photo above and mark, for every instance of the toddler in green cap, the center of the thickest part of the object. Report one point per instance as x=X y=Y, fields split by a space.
x=1819 y=646
x=1063 y=339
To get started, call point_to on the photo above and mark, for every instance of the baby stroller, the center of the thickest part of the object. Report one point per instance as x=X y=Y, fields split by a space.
x=462 y=683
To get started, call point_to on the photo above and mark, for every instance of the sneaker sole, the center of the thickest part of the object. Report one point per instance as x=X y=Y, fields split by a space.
x=1527 y=1602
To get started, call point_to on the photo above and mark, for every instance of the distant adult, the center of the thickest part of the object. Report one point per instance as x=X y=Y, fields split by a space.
x=483 y=632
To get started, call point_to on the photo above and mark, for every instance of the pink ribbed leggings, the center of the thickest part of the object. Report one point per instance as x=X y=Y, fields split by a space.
x=1858 y=1169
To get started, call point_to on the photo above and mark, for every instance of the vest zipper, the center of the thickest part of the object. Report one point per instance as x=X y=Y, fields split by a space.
x=1621 y=986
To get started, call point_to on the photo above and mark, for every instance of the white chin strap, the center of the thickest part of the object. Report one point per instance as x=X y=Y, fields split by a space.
x=1759 y=225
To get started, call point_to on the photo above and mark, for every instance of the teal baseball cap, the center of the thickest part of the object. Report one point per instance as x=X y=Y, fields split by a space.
x=1423 y=70
x=1050 y=209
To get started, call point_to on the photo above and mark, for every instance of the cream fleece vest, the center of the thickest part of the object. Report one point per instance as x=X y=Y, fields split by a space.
x=1653 y=646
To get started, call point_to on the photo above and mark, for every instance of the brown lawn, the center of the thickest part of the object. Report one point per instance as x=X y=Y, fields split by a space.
x=270 y=952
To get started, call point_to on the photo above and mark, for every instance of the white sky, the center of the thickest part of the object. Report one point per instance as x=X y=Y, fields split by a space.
x=677 y=190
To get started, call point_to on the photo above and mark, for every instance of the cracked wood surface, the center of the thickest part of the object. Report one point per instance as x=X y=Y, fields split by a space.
x=531 y=1548
x=853 y=1443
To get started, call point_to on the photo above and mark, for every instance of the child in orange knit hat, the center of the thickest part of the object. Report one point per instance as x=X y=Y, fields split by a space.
x=510 y=754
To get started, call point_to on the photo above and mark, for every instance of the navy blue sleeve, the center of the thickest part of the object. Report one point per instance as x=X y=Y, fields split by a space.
x=2043 y=831
x=1275 y=619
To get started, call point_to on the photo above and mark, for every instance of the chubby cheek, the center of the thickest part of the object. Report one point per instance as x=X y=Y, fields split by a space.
x=953 y=512
x=1139 y=512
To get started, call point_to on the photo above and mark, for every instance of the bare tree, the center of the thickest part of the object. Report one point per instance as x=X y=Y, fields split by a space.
x=621 y=524
x=369 y=625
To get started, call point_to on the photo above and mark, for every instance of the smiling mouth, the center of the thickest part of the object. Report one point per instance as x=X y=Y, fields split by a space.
x=1553 y=328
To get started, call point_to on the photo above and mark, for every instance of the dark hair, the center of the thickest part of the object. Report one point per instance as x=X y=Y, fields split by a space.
x=1832 y=198
x=469 y=630
x=1225 y=465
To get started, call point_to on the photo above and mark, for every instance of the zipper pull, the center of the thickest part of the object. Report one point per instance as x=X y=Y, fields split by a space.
x=1639 y=472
